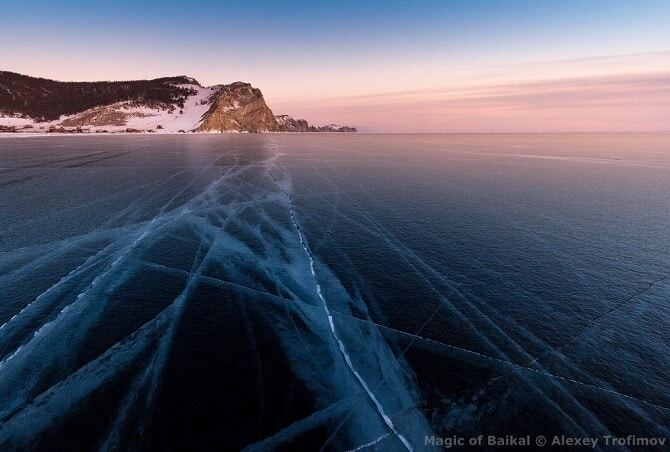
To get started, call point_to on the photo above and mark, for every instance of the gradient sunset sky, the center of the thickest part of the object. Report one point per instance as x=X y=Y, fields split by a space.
x=410 y=66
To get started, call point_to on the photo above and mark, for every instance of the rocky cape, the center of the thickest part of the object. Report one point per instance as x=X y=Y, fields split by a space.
x=164 y=105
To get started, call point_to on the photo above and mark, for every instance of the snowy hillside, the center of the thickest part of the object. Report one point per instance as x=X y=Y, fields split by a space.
x=143 y=118
x=129 y=116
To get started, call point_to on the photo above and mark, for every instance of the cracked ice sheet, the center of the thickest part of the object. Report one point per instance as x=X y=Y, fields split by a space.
x=217 y=224
x=238 y=234
x=252 y=373
x=496 y=313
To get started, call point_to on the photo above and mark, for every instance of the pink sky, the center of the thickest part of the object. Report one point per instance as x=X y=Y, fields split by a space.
x=618 y=93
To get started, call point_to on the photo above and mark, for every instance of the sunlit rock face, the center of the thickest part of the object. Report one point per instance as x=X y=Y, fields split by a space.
x=238 y=107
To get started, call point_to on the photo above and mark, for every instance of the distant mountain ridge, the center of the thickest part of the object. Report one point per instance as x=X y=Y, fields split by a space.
x=162 y=105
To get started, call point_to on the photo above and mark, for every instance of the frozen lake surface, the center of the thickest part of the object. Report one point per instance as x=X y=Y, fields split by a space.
x=327 y=291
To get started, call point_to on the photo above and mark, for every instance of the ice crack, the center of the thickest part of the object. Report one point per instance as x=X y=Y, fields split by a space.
x=333 y=331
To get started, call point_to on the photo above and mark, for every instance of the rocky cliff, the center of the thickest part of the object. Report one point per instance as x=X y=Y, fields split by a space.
x=238 y=107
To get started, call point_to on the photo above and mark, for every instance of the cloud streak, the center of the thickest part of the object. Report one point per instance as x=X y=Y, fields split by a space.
x=631 y=102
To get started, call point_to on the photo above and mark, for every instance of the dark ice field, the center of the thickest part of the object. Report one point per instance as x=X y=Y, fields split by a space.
x=331 y=291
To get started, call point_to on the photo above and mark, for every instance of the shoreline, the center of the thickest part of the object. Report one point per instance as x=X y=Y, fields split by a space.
x=118 y=134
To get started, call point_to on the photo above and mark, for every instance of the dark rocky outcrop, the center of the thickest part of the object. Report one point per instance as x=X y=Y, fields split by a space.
x=289 y=124
x=335 y=128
